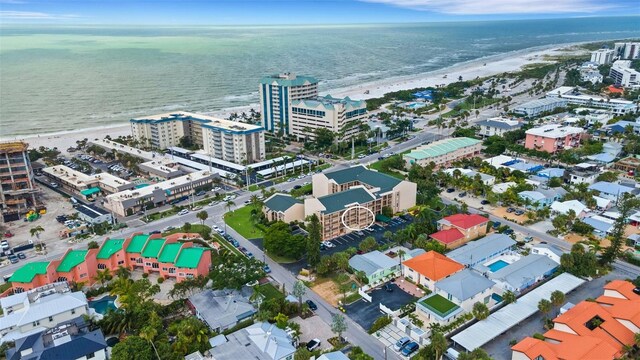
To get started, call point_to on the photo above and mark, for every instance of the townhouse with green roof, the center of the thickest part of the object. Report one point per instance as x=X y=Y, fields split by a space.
x=111 y=255
x=77 y=266
x=443 y=152
x=33 y=275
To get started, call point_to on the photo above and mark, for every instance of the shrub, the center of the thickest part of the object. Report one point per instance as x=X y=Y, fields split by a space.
x=538 y=336
x=380 y=322
x=145 y=275
x=160 y=280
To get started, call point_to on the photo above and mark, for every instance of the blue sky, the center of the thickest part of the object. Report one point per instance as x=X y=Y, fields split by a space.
x=232 y=12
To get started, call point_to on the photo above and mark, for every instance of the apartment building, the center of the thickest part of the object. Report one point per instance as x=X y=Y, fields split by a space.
x=222 y=139
x=603 y=56
x=616 y=106
x=344 y=200
x=536 y=107
x=553 y=137
x=40 y=309
x=128 y=202
x=622 y=74
x=444 y=152
x=18 y=193
x=456 y=230
x=336 y=115
x=175 y=256
x=600 y=329
x=627 y=50
x=497 y=126
x=277 y=92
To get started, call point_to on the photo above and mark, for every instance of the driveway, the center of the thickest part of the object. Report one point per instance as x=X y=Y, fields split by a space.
x=365 y=313
x=313 y=327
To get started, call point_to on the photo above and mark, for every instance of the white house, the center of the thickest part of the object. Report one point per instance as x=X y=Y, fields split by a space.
x=563 y=207
x=551 y=251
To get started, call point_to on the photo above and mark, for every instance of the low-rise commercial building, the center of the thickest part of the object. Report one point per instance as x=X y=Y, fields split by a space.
x=18 y=192
x=39 y=309
x=443 y=152
x=553 y=137
x=616 y=106
x=497 y=126
x=93 y=214
x=76 y=182
x=128 y=202
x=342 y=116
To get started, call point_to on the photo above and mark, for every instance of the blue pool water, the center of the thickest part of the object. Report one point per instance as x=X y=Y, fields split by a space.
x=103 y=305
x=495 y=266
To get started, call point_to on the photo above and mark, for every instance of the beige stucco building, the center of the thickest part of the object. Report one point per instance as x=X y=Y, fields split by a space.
x=336 y=115
x=283 y=207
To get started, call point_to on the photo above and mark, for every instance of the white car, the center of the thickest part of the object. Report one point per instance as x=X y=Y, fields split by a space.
x=168 y=228
x=216 y=228
x=361 y=156
x=217 y=188
x=183 y=212
x=329 y=244
x=4 y=244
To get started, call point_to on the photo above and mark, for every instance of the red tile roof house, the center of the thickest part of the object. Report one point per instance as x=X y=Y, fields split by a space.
x=458 y=229
x=78 y=266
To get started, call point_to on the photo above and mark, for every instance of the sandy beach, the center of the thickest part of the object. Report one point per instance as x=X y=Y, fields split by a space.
x=477 y=68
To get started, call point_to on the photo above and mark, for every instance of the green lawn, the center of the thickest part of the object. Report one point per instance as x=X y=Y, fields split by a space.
x=203 y=230
x=439 y=304
x=270 y=292
x=224 y=243
x=254 y=187
x=281 y=259
x=378 y=166
x=240 y=221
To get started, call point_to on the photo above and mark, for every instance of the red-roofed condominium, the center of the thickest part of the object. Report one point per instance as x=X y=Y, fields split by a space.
x=458 y=229
x=171 y=257
x=603 y=329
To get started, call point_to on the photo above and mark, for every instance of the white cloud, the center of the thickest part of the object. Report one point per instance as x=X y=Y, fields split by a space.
x=480 y=7
x=33 y=15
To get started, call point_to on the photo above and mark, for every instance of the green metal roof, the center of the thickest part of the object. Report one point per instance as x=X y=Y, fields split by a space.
x=442 y=147
x=169 y=253
x=71 y=260
x=137 y=243
x=153 y=248
x=339 y=201
x=298 y=81
x=109 y=248
x=362 y=174
x=281 y=202
x=90 y=191
x=29 y=271
x=190 y=257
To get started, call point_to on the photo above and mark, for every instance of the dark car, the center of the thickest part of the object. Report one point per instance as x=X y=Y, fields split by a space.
x=200 y=193
x=409 y=348
x=510 y=210
x=297 y=187
x=155 y=232
x=312 y=305
x=313 y=344
x=496 y=224
x=13 y=259
x=21 y=256
x=323 y=247
x=519 y=212
x=484 y=202
x=508 y=232
x=235 y=242
x=266 y=269
x=450 y=190
x=462 y=194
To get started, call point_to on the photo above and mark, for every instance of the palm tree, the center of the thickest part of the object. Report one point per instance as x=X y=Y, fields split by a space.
x=438 y=344
x=36 y=231
x=123 y=272
x=150 y=332
x=509 y=297
x=228 y=205
x=544 y=306
x=102 y=276
x=255 y=202
x=202 y=215
x=557 y=298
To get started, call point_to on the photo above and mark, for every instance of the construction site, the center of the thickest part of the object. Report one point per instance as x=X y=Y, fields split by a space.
x=18 y=193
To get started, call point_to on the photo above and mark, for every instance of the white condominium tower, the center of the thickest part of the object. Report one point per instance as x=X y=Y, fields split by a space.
x=276 y=94
x=222 y=139
x=337 y=115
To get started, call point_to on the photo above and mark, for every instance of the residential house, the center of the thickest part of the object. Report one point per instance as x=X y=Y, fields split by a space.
x=582 y=173
x=472 y=174
x=610 y=151
x=501 y=188
x=33 y=275
x=430 y=267
x=497 y=126
x=335 y=355
x=601 y=225
x=634 y=239
x=551 y=251
x=630 y=165
x=563 y=207
x=77 y=266
x=602 y=329
x=540 y=198
x=455 y=230
x=283 y=207
x=258 y=341
x=111 y=255
x=221 y=309
x=377 y=266
x=612 y=191
x=39 y=309
x=482 y=250
x=72 y=340
x=523 y=273
x=551 y=173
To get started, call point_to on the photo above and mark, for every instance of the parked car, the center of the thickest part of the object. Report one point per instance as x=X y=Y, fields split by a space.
x=496 y=225
x=510 y=210
x=484 y=202
x=4 y=244
x=297 y=187
x=450 y=190
x=200 y=193
x=508 y=232
x=462 y=194
x=312 y=305
x=401 y=343
x=519 y=212
x=266 y=269
x=313 y=344
x=410 y=348
x=168 y=228
x=528 y=238
x=249 y=254
x=21 y=256
x=183 y=212
x=155 y=232
x=13 y=258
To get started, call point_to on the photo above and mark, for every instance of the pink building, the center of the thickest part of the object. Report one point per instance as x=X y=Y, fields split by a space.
x=554 y=137
x=78 y=266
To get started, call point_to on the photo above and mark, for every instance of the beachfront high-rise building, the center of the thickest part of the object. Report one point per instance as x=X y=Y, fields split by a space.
x=223 y=139
x=603 y=56
x=17 y=190
x=622 y=74
x=628 y=50
x=337 y=115
x=276 y=94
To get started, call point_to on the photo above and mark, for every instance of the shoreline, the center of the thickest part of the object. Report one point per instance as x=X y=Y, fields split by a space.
x=471 y=69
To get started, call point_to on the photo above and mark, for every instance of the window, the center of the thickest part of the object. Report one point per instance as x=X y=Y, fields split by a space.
x=102 y=266
x=91 y=356
x=50 y=318
x=155 y=265
x=73 y=311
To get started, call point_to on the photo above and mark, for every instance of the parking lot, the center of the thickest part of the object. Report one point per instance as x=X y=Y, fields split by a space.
x=365 y=313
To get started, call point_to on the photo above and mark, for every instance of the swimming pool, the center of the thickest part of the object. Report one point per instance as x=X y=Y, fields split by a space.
x=495 y=266
x=102 y=305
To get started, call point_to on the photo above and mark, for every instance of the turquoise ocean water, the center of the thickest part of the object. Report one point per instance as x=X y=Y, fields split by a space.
x=60 y=78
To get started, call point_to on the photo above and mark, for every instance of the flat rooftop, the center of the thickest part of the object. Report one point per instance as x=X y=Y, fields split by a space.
x=555 y=131
x=206 y=120
x=67 y=174
x=164 y=185
x=112 y=145
x=441 y=147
